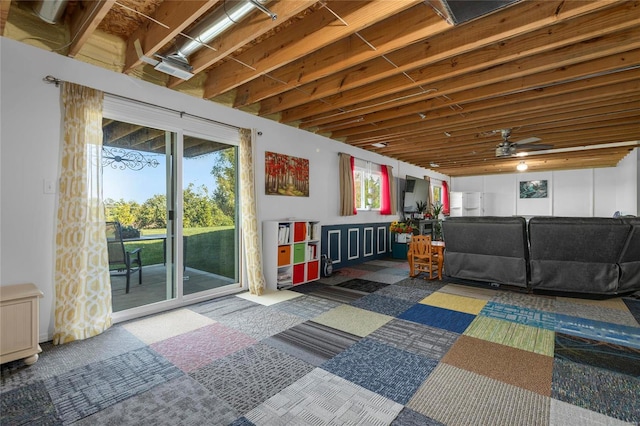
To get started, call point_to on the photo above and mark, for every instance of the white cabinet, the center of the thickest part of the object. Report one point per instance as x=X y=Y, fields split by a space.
x=466 y=204
x=19 y=313
x=290 y=252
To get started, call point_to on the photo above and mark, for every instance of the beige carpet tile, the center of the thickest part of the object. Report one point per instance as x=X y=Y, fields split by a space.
x=160 y=327
x=353 y=320
x=468 y=291
x=520 y=336
x=563 y=414
x=455 y=396
x=604 y=312
x=270 y=297
x=321 y=398
x=614 y=303
x=454 y=302
x=516 y=367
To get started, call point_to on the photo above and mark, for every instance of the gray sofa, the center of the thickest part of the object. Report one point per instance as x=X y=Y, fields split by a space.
x=565 y=254
x=488 y=249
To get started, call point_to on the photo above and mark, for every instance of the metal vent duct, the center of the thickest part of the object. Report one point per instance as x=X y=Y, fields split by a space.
x=231 y=12
x=50 y=10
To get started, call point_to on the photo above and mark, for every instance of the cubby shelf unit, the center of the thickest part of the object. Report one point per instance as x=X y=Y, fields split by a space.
x=290 y=252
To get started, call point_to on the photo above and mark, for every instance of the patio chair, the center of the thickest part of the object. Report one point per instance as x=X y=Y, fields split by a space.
x=121 y=261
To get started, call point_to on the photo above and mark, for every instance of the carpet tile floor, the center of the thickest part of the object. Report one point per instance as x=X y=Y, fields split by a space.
x=367 y=346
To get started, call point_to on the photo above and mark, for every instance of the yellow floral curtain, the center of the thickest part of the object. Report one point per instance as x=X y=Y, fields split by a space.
x=82 y=283
x=253 y=255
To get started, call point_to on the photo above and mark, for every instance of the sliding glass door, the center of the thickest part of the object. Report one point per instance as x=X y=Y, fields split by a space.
x=209 y=215
x=174 y=197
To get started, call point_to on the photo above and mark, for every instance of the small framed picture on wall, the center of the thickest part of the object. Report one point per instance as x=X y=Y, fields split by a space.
x=533 y=189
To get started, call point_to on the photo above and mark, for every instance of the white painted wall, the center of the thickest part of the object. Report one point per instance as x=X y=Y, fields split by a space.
x=588 y=192
x=30 y=138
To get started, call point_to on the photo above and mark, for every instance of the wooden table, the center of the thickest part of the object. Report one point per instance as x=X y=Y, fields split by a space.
x=438 y=247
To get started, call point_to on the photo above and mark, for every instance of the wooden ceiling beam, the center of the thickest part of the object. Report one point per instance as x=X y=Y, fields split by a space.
x=469 y=135
x=474 y=100
x=482 y=111
x=607 y=53
x=5 y=5
x=175 y=17
x=445 y=55
x=395 y=32
x=85 y=21
x=550 y=117
x=240 y=35
x=300 y=38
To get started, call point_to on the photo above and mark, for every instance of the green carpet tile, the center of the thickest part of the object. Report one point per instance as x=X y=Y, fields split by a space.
x=367 y=346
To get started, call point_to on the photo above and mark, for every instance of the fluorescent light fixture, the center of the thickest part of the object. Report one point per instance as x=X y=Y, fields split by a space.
x=379 y=144
x=522 y=166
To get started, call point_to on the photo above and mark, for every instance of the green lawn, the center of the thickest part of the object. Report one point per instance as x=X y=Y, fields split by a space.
x=207 y=249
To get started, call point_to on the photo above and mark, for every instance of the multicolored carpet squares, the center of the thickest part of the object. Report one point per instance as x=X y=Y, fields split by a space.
x=367 y=346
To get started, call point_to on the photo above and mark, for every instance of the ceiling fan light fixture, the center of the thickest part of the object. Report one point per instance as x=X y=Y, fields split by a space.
x=522 y=166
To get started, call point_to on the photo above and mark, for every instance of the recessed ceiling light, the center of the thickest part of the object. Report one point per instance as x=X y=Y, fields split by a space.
x=432 y=164
x=379 y=144
x=522 y=166
x=447 y=134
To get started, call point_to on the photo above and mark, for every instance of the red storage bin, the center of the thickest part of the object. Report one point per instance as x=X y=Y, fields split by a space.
x=313 y=269
x=298 y=274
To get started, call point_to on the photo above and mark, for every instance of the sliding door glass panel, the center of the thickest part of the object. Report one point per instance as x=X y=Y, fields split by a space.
x=209 y=216
x=137 y=180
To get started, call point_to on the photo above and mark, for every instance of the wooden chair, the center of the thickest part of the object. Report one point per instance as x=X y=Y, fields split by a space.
x=422 y=257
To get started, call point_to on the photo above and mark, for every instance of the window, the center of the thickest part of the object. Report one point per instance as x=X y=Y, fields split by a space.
x=367 y=178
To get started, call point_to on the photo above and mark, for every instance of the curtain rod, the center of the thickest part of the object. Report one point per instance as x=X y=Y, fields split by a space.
x=368 y=161
x=54 y=80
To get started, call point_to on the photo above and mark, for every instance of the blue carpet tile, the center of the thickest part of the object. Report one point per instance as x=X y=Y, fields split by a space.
x=390 y=372
x=596 y=389
x=528 y=360
x=519 y=315
x=408 y=417
x=438 y=317
x=598 y=330
x=619 y=359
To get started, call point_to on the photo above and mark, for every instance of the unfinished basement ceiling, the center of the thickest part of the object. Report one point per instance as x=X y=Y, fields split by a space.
x=432 y=83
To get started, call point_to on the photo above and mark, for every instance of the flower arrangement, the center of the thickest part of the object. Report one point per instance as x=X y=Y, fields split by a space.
x=401 y=227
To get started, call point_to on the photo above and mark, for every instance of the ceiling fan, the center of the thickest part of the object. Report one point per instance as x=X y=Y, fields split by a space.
x=507 y=148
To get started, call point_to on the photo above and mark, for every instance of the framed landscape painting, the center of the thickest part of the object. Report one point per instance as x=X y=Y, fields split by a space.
x=286 y=175
x=533 y=189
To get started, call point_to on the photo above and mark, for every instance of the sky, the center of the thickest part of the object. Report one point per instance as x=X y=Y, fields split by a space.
x=141 y=185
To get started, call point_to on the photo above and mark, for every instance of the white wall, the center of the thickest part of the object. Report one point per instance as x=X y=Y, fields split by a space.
x=586 y=192
x=30 y=138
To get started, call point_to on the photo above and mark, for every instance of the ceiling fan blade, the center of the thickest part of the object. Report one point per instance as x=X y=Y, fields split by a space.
x=527 y=140
x=536 y=147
